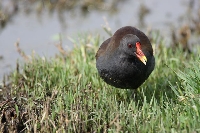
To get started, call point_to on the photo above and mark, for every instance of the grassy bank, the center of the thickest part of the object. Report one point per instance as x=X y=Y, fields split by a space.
x=65 y=93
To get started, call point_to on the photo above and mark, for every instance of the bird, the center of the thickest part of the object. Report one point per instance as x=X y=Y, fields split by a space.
x=125 y=60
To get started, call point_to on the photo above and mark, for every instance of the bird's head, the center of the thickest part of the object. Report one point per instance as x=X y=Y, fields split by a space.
x=130 y=45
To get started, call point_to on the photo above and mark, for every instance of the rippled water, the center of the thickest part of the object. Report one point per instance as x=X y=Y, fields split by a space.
x=38 y=33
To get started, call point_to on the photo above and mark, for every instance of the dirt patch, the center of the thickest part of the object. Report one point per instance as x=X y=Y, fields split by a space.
x=12 y=114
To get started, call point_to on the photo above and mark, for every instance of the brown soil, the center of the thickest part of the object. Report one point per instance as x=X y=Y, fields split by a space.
x=12 y=114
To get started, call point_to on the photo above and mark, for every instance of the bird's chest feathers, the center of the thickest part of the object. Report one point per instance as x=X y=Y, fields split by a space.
x=121 y=67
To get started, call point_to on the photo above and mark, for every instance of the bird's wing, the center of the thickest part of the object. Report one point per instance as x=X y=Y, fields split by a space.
x=103 y=47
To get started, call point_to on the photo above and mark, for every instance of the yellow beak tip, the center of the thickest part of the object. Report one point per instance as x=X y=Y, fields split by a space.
x=143 y=59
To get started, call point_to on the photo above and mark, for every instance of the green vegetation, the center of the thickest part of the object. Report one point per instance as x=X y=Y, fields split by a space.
x=65 y=93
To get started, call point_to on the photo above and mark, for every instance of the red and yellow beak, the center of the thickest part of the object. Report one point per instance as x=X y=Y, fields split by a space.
x=140 y=54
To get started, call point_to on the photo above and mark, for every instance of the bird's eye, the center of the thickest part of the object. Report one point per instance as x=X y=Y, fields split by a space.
x=130 y=45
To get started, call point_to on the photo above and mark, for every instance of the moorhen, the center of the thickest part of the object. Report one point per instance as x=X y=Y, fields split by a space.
x=126 y=59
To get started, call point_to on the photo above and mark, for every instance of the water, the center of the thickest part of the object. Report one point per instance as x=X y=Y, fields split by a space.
x=37 y=33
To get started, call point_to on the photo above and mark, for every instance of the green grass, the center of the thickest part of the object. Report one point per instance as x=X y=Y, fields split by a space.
x=65 y=93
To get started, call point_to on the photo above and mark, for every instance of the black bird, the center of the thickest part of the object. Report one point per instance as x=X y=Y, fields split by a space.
x=126 y=59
